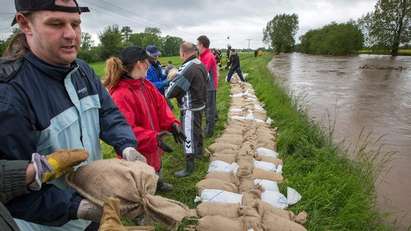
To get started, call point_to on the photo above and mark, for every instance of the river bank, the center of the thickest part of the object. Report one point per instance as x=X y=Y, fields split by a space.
x=338 y=193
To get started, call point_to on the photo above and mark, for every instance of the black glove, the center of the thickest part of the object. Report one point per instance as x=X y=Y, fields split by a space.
x=161 y=142
x=178 y=134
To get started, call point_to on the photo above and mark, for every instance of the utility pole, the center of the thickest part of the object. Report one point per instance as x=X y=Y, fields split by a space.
x=249 y=43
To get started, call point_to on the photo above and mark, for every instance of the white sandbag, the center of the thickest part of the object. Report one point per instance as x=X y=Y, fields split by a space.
x=221 y=166
x=267 y=185
x=265 y=165
x=219 y=196
x=236 y=110
x=275 y=199
x=279 y=169
x=267 y=152
x=293 y=196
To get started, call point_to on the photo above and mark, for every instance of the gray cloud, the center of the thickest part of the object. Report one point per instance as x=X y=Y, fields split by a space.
x=238 y=19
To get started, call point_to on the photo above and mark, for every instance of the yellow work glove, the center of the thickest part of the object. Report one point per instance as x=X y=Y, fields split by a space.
x=55 y=165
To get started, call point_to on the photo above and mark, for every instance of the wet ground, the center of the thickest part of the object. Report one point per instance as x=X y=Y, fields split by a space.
x=369 y=93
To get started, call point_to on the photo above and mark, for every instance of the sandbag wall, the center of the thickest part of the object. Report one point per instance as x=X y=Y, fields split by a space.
x=240 y=191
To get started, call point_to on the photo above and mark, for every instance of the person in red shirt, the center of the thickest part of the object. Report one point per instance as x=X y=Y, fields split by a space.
x=209 y=61
x=143 y=106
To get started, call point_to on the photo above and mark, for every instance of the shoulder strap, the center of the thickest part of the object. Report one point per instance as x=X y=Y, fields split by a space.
x=9 y=69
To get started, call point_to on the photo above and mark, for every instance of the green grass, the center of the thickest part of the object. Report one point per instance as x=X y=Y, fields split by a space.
x=337 y=193
x=404 y=52
x=184 y=188
x=99 y=66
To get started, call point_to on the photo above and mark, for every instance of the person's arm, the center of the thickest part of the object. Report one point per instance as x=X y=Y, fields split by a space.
x=158 y=82
x=18 y=142
x=166 y=116
x=114 y=129
x=214 y=71
x=14 y=179
x=178 y=87
x=147 y=138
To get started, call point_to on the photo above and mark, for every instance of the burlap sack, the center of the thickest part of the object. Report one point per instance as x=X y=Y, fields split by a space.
x=268 y=175
x=251 y=198
x=246 y=184
x=273 y=222
x=220 y=223
x=229 y=158
x=224 y=176
x=211 y=183
x=220 y=147
x=230 y=139
x=269 y=159
x=246 y=166
x=134 y=183
x=218 y=209
x=264 y=207
x=269 y=144
x=110 y=220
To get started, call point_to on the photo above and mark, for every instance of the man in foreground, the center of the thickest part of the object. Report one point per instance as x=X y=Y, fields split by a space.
x=50 y=100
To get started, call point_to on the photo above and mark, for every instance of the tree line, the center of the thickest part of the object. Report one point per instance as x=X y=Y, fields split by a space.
x=386 y=27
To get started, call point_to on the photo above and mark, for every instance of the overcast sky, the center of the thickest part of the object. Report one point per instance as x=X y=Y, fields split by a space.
x=238 y=19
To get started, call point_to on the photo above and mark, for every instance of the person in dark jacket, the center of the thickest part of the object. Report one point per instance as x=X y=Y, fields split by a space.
x=52 y=100
x=234 y=66
x=190 y=88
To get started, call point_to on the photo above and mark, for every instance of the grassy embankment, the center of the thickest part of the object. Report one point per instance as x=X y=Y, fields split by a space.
x=404 y=52
x=337 y=193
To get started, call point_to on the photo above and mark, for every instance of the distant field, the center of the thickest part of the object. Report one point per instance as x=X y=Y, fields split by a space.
x=385 y=52
x=99 y=66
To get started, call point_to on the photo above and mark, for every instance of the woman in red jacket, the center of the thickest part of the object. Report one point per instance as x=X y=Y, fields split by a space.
x=142 y=105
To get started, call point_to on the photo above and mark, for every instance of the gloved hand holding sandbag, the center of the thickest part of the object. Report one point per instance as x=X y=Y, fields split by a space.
x=172 y=73
x=134 y=183
x=55 y=165
x=110 y=221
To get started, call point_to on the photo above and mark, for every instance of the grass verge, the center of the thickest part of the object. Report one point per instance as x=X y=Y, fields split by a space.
x=337 y=193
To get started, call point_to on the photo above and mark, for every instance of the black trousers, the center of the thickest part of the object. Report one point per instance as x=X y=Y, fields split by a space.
x=191 y=122
x=235 y=70
x=210 y=113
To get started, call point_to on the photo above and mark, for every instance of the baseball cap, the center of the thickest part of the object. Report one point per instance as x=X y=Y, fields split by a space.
x=131 y=55
x=153 y=51
x=39 y=5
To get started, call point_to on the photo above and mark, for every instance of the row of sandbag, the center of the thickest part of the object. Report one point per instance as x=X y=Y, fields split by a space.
x=240 y=191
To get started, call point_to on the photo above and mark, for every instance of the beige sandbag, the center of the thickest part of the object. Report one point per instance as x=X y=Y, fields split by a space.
x=219 y=223
x=251 y=198
x=228 y=210
x=229 y=158
x=246 y=184
x=211 y=183
x=264 y=207
x=230 y=139
x=224 y=176
x=110 y=220
x=219 y=147
x=301 y=218
x=134 y=183
x=272 y=222
x=267 y=175
x=246 y=166
x=269 y=144
x=269 y=159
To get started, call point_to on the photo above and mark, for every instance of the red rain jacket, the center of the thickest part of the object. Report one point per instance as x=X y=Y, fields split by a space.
x=208 y=59
x=148 y=113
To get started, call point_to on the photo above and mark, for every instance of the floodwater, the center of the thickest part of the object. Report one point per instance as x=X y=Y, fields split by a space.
x=369 y=93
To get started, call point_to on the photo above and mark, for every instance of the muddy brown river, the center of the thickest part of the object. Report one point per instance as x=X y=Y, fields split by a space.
x=369 y=93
